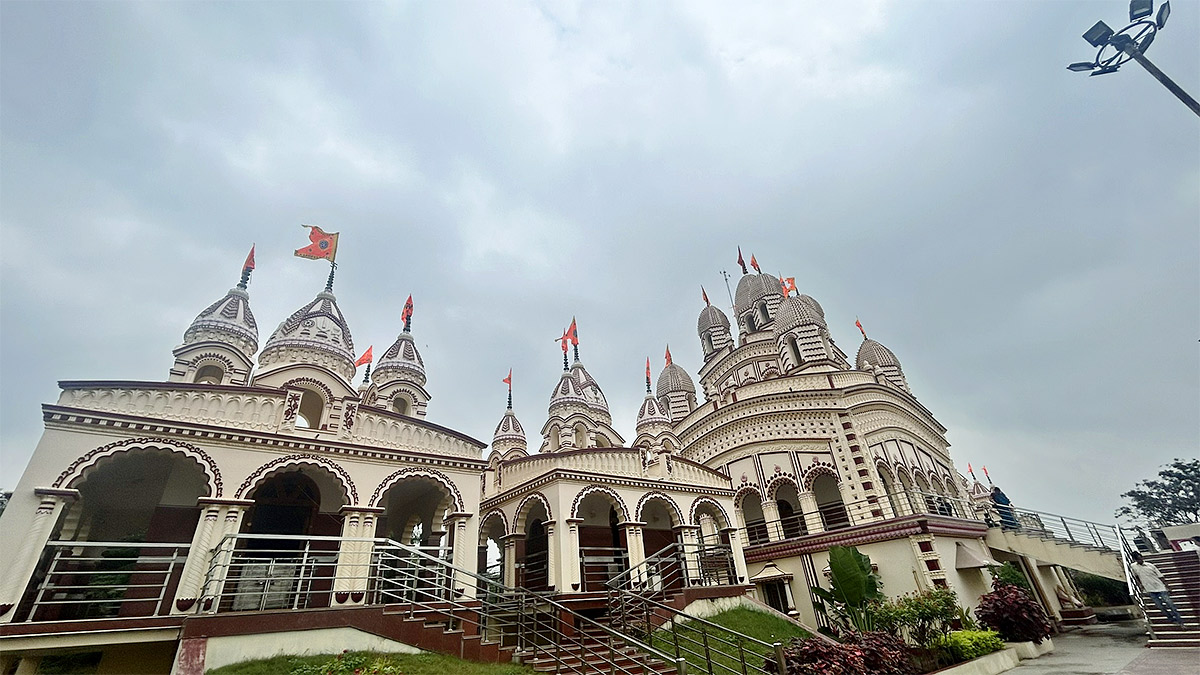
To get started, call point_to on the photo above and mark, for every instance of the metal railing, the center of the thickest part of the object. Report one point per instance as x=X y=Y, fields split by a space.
x=100 y=580
x=678 y=566
x=422 y=583
x=709 y=647
x=598 y=564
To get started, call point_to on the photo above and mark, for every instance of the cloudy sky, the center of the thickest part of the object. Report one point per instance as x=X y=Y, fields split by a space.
x=1024 y=238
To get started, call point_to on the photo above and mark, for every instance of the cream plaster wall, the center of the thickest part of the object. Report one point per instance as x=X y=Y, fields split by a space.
x=222 y=651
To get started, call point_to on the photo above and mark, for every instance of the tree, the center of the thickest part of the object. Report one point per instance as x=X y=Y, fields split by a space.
x=1173 y=499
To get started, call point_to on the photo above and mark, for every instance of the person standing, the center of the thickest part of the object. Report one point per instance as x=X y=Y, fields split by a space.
x=1008 y=520
x=1151 y=581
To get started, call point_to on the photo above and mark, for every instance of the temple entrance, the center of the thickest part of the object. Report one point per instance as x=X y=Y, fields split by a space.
x=416 y=513
x=669 y=566
x=279 y=562
x=537 y=552
x=128 y=537
x=603 y=550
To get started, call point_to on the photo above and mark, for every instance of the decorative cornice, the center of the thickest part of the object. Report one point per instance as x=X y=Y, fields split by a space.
x=896 y=528
x=588 y=477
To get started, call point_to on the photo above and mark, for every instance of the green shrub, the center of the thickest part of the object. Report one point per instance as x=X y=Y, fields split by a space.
x=964 y=645
x=349 y=663
x=919 y=617
x=1097 y=591
x=1009 y=573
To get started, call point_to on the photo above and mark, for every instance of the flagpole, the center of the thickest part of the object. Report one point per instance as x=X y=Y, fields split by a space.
x=726 y=275
x=329 y=283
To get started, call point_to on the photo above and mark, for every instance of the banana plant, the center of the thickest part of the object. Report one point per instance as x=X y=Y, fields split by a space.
x=853 y=587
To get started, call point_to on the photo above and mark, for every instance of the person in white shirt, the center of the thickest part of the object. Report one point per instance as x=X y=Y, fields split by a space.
x=1151 y=581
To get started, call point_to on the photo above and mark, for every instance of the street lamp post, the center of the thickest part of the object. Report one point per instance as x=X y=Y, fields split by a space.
x=1116 y=48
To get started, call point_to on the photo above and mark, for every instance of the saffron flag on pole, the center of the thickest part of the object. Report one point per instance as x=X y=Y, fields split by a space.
x=249 y=264
x=573 y=334
x=564 y=340
x=788 y=284
x=705 y=296
x=741 y=261
x=406 y=313
x=754 y=264
x=323 y=246
x=860 y=328
x=668 y=355
x=367 y=357
x=508 y=380
x=647 y=368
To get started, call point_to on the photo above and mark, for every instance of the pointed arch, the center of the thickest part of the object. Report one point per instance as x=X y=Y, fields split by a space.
x=676 y=514
x=819 y=470
x=78 y=469
x=743 y=491
x=494 y=513
x=694 y=510
x=523 y=510
x=280 y=464
x=778 y=480
x=413 y=472
x=622 y=510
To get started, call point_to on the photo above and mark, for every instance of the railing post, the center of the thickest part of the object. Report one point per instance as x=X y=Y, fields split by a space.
x=1068 y=530
x=681 y=666
x=779 y=657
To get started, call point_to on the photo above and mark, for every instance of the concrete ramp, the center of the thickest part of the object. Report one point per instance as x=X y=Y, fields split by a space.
x=1059 y=551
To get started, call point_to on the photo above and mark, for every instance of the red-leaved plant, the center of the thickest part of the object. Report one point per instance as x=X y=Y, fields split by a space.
x=1010 y=611
x=861 y=654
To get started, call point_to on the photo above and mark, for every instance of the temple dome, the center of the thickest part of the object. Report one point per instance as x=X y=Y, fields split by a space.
x=652 y=414
x=315 y=334
x=711 y=316
x=674 y=378
x=871 y=354
x=567 y=392
x=797 y=311
x=590 y=390
x=754 y=287
x=509 y=432
x=401 y=361
x=228 y=321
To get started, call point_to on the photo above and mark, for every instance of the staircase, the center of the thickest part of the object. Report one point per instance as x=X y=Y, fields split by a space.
x=1080 y=545
x=1181 y=569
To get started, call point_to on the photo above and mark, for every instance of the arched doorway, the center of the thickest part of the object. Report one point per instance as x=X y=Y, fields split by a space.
x=829 y=502
x=533 y=549
x=791 y=518
x=750 y=507
x=603 y=549
x=668 y=564
x=279 y=563
x=120 y=548
x=715 y=557
x=889 y=488
x=492 y=533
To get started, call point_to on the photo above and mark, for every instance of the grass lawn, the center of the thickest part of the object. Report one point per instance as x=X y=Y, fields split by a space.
x=408 y=664
x=760 y=625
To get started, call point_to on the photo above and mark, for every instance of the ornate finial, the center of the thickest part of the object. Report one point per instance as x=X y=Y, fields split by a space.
x=367 y=374
x=508 y=381
x=246 y=268
x=407 y=312
x=329 y=283
x=576 y=348
x=566 y=366
x=647 y=374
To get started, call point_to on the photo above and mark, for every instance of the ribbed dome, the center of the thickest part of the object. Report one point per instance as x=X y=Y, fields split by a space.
x=509 y=432
x=711 y=316
x=797 y=311
x=401 y=361
x=755 y=287
x=814 y=304
x=673 y=378
x=317 y=329
x=567 y=392
x=651 y=414
x=229 y=321
x=590 y=390
x=873 y=354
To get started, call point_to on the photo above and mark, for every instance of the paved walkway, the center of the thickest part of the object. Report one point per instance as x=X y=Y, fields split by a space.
x=1111 y=649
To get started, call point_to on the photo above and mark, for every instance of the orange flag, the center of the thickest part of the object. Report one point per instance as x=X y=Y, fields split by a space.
x=367 y=357
x=323 y=246
x=249 y=264
x=508 y=380
x=754 y=264
x=647 y=368
x=668 y=355
x=860 y=328
x=705 y=296
x=406 y=313
x=572 y=334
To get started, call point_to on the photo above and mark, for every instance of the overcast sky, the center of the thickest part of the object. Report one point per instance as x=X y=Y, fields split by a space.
x=1024 y=238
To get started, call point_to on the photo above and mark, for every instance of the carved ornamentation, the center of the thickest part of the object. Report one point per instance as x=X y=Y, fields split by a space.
x=497 y=513
x=79 y=467
x=694 y=511
x=412 y=472
x=676 y=514
x=742 y=492
x=622 y=510
x=526 y=504
x=280 y=463
x=819 y=469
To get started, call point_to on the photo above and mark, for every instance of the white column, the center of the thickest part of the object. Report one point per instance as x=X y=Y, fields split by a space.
x=354 y=554
x=691 y=552
x=460 y=555
x=552 y=572
x=509 y=559
x=571 y=561
x=200 y=553
x=21 y=566
x=739 y=557
x=812 y=516
x=770 y=511
x=223 y=544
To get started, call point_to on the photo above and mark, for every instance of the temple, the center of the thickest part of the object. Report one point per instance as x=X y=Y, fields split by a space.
x=257 y=491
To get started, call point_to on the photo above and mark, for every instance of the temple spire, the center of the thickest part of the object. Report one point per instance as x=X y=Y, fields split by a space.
x=329 y=282
x=247 y=267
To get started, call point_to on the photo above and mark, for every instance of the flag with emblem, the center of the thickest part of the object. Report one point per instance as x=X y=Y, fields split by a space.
x=367 y=357
x=323 y=246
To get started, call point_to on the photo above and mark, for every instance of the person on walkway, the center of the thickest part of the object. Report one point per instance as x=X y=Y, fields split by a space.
x=1008 y=521
x=1151 y=581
